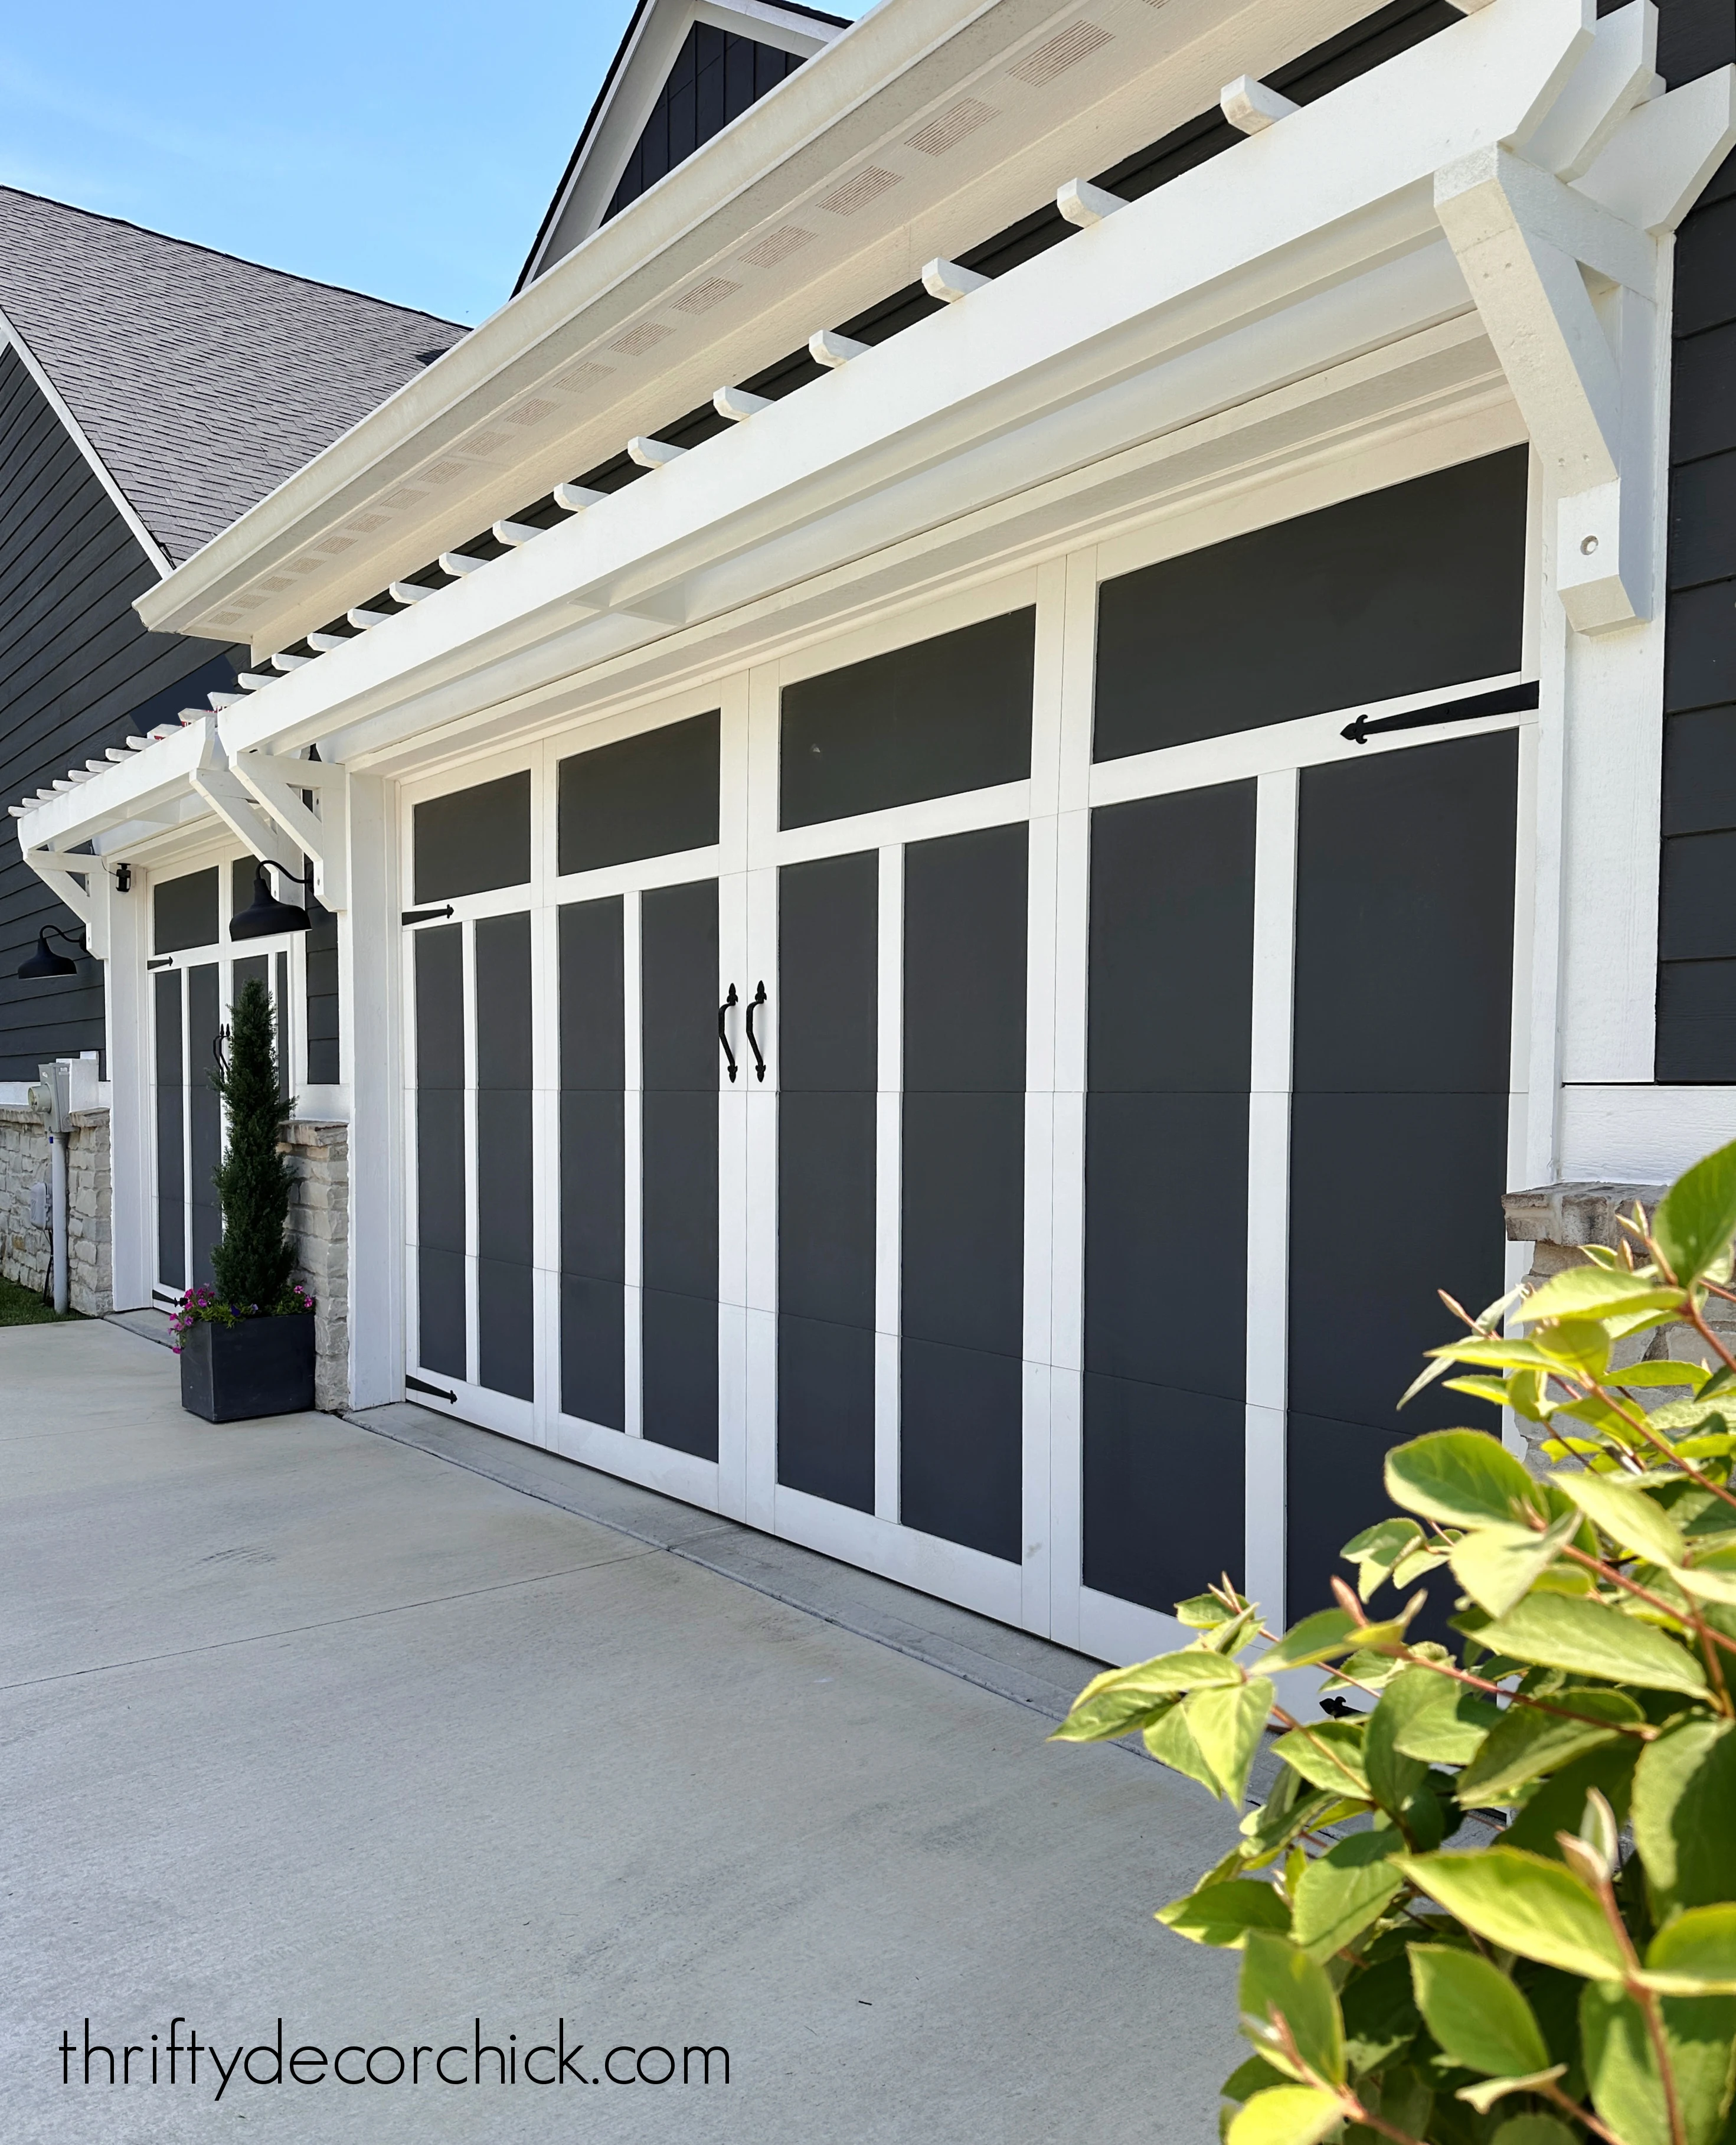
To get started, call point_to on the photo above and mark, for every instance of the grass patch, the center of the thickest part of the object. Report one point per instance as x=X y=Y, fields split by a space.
x=20 y=1305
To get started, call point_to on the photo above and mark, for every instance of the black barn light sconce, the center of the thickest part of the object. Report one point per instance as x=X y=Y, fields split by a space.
x=45 y=961
x=264 y=916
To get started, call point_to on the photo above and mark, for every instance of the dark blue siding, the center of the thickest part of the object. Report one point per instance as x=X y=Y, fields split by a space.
x=78 y=672
x=1697 y=935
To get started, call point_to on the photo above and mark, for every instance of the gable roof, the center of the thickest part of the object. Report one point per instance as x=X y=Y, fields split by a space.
x=683 y=71
x=195 y=381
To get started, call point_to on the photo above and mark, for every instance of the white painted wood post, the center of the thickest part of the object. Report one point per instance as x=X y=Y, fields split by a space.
x=371 y=988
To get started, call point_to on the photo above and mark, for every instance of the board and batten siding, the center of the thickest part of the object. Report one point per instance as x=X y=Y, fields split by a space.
x=1697 y=917
x=78 y=672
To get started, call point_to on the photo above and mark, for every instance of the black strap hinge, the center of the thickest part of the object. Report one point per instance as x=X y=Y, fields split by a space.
x=1505 y=700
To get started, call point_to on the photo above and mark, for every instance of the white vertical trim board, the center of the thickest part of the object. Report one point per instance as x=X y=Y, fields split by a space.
x=1274 y=977
x=735 y=1189
x=1064 y=1482
x=888 y=1177
x=1041 y=964
x=472 y=1226
x=633 y=1413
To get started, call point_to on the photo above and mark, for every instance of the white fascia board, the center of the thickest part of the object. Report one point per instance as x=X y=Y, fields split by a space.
x=907 y=60
x=769 y=24
x=1288 y=221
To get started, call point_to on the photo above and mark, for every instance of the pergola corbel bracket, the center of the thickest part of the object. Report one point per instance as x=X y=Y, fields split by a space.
x=81 y=883
x=278 y=785
x=215 y=783
x=1567 y=294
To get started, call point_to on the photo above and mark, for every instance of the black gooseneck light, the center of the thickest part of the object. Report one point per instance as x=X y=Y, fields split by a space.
x=265 y=916
x=45 y=961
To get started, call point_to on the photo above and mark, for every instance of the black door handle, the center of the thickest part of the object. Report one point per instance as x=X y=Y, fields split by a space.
x=723 y=1033
x=757 y=1000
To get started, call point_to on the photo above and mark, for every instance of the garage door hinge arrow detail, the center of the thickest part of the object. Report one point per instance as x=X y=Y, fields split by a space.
x=1506 y=700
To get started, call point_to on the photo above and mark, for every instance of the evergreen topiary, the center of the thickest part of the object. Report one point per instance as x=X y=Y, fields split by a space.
x=252 y=1264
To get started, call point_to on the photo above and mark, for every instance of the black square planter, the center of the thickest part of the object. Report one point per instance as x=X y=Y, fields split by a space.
x=262 y=1366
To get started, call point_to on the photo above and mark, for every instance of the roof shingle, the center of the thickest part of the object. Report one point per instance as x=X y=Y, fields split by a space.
x=202 y=381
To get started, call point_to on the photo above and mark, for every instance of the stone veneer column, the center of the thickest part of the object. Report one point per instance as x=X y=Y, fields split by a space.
x=319 y=1223
x=24 y=1162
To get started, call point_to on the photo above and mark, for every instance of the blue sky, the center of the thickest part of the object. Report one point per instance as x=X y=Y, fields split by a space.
x=406 y=150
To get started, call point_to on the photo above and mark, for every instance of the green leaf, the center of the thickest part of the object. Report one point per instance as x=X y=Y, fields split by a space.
x=1699 y=1945
x=1627 y=1516
x=1285 y=2115
x=1557 y=1804
x=1248 y=2078
x=1329 y=1753
x=1696 y=1218
x=1393 y=1777
x=1321 y=1637
x=1346 y=1889
x=1621 y=2064
x=1483 y=2097
x=1529 y=1742
x=1666 y=1371
x=1685 y=1814
x=1279 y=1977
x=1407 y=2102
x=1581 y=1346
x=1295 y=1805
x=1226 y=1725
x=1532 y=2129
x=1480 y=2018
x=1589 y=1292
x=1122 y=1700
x=1416 y=1564
x=1586 y=1638
x=1222 y=1914
x=1706 y=1585
x=1523 y=1904
x=1204 y=1612
x=1434 y=1719
x=1380 y=2014
x=1492 y=1390
x=1710 y=1410
x=1620 y=2069
x=1171 y=1742
x=1498 y=1565
x=1377 y=1549
x=1464 y=1477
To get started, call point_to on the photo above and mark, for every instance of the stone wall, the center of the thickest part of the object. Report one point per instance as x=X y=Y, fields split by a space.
x=318 y=1155
x=24 y=1251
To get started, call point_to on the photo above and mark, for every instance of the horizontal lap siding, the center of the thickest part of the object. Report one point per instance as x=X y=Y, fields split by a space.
x=1697 y=938
x=78 y=674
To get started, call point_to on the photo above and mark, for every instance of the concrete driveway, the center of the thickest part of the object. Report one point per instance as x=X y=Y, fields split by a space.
x=303 y=1721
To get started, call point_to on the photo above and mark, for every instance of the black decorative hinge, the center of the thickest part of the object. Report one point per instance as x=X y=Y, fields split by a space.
x=422 y=1386
x=1505 y=700
x=424 y=915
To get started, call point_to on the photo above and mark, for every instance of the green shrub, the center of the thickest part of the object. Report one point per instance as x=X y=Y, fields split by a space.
x=252 y=1261
x=1568 y=1965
